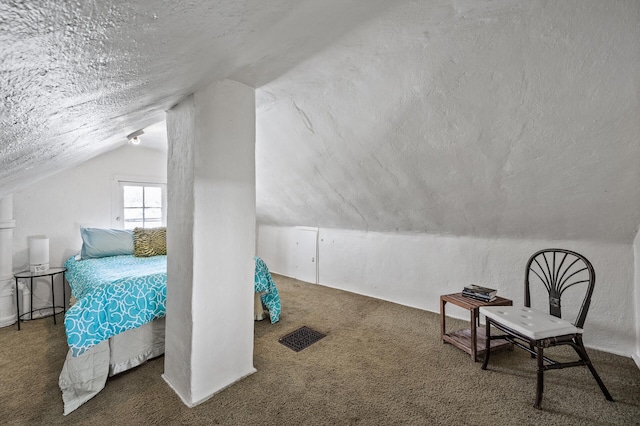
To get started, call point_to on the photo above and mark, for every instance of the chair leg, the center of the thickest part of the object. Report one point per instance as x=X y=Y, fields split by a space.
x=540 y=378
x=582 y=352
x=487 y=344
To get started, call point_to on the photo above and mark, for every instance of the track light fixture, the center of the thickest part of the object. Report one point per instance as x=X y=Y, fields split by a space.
x=134 y=138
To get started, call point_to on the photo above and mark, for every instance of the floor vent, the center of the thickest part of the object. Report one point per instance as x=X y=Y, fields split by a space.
x=301 y=338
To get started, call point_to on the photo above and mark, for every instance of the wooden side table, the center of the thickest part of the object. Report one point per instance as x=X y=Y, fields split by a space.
x=471 y=340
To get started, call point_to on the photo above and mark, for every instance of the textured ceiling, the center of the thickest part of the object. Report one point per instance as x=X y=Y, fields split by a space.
x=503 y=118
x=77 y=77
x=458 y=117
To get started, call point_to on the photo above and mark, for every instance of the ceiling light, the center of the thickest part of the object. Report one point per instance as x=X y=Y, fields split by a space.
x=134 y=138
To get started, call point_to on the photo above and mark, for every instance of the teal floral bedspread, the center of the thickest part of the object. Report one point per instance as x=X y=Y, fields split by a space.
x=118 y=293
x=113 y=294
x=269 y=295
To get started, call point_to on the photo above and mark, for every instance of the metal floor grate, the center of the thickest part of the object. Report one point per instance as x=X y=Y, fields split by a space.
x=301 y=338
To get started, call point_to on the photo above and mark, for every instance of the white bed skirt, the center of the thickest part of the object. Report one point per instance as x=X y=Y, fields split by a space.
x=84 y=376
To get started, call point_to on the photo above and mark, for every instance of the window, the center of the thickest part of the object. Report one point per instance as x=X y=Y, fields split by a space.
x=143 y=205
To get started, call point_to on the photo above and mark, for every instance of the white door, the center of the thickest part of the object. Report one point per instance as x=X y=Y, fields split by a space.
x=305 y=256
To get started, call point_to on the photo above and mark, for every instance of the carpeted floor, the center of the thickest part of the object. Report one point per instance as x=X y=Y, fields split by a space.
x=379 y=364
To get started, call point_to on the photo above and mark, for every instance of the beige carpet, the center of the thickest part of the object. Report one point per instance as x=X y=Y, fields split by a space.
x=380 y=364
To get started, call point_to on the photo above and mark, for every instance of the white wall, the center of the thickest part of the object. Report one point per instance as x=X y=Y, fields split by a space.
x=636 y=256
x=291 y=249
x=7 y=292
x=81 y=196
x=212 y=200
x=485 y=118
x=415 y=269
x=181 y=133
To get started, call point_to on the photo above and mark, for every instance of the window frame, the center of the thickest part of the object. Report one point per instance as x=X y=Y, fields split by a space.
x=119 y=182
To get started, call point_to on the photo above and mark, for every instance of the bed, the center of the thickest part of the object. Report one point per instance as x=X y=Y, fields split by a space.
x=116 y=321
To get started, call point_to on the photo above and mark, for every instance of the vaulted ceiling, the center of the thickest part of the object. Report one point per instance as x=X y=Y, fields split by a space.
x=488 y=118
x=500 y=118
x=78 y=77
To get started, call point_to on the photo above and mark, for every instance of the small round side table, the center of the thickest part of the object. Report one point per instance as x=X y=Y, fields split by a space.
x=55 y=310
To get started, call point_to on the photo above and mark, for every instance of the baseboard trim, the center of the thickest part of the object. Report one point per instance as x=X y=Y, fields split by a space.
x=193 y=404
x=636 y=358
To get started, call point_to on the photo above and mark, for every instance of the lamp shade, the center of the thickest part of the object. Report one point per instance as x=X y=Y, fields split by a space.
x=39 y=253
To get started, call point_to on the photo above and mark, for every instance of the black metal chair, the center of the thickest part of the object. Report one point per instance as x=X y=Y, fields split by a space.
x=533 y=330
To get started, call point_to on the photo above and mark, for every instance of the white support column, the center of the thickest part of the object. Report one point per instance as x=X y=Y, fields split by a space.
x=7 y=285
x=210 y=240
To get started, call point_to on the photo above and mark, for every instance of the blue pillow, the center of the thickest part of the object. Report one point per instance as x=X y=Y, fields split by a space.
x=99 y=242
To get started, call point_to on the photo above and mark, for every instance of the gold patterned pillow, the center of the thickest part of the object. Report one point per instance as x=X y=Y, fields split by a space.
x=149 y=242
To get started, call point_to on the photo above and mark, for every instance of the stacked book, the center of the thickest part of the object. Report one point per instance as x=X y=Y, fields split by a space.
x=481 y=293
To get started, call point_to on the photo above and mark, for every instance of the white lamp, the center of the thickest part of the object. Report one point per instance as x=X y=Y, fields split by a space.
x=38 y=254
